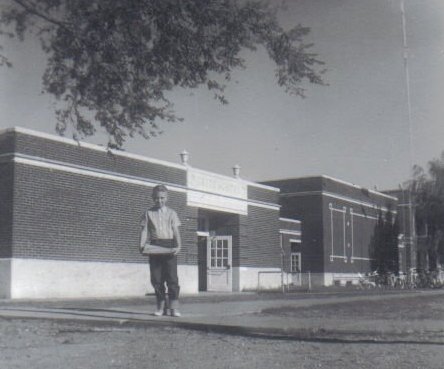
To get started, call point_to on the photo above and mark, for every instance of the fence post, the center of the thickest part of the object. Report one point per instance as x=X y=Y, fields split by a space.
x=282 y=263
x=282 y=281
x=309 y=280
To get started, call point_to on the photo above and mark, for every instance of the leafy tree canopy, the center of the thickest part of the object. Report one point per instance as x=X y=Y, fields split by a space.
x=428 y=191
x=384 y=245
x=111 y=62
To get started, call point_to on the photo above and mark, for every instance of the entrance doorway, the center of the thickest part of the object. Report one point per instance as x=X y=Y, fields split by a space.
x=215 y=250
x=219 y=261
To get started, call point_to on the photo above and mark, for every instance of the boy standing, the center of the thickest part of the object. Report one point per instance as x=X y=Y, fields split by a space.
x=160 y=227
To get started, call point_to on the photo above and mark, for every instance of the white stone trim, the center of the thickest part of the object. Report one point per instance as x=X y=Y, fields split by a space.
x=213 y=191
x=260 y=185
x=104 y=174
x=295 y=240
x=359 y=187
x=338 y=197
x=362 y=215
x=35 y=278
x=249 y=279
x=290 y=232
x=352 y=215
x=203 y=234
x=343 y=211
x=92 y=173
x=240 y=180
x=290 y=220
x=212 y=174
x=242 y=210
x=343 y=278
x=349 y=184
x=87 y=145
x=264 y=206
x=5 y=278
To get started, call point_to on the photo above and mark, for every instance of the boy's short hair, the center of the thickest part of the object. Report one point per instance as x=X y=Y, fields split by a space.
x=160 y=188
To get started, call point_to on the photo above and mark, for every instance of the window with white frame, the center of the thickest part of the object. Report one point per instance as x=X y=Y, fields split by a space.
x=295 y=262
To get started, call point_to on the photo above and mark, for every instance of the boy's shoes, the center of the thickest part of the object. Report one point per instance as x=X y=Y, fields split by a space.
x=174 y=312
x=158 y=312
x=161 y=312
x=162 y=308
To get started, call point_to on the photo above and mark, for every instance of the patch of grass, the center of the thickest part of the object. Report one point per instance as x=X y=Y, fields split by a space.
x=418 y=307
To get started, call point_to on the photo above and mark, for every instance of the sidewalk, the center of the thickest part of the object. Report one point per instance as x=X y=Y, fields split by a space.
x=241 y=314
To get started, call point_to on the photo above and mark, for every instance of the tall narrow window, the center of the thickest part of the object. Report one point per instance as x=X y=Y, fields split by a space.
x=295 y=262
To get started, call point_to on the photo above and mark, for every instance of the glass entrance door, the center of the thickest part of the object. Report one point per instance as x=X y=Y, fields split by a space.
x=219 y=259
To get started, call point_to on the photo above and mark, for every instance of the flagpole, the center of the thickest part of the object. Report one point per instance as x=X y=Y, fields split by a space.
x=411 y=220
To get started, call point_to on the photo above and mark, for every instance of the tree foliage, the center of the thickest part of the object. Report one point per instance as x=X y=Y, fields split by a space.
x=111 y=62
x=384 y=245
x=428 y=191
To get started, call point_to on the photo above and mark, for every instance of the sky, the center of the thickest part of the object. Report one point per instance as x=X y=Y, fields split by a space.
x=356 y=129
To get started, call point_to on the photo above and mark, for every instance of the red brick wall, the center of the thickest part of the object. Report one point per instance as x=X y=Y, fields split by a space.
x=6 y=204
x=62 y=215
x=260 y=238
x=308 y=210
x=356 y=231
x=288 y=225
x=69 y=216
x=285 y=241
x=263 y=195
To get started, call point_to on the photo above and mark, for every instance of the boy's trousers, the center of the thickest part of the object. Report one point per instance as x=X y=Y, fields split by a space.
x=163 y=269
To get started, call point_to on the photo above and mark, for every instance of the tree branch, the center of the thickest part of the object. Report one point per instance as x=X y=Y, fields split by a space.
x=32 y=9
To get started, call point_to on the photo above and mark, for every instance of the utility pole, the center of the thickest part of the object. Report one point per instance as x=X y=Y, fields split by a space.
x=411 y=240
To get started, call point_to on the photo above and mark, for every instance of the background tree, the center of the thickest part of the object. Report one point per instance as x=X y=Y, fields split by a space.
x=384 y=245
x=111 y=62
x=391 y=233
x=428 y=191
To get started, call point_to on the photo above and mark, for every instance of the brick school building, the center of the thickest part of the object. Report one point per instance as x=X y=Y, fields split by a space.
x=70 y=215
x=338 y=227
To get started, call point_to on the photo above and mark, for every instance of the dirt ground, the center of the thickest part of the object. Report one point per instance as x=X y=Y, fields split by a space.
x=49 y=344
x=39 y=344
